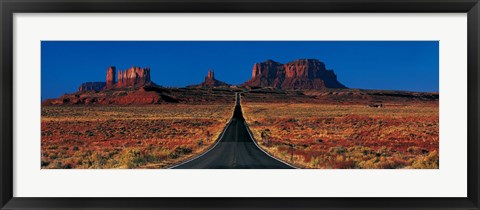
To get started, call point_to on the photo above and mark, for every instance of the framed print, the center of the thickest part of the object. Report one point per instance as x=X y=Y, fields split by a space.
x=239 y=105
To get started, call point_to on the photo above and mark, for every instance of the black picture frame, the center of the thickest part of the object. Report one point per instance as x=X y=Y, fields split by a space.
x=9 y=7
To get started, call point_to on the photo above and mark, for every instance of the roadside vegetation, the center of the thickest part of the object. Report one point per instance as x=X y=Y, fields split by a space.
x=157 y=136
x=348 y=136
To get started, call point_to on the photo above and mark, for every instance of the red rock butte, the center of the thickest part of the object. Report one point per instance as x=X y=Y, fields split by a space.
x=132 y=77
x=299 y=74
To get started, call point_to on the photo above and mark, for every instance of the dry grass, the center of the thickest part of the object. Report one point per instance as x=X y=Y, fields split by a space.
x=348 y=136
x=128 y=137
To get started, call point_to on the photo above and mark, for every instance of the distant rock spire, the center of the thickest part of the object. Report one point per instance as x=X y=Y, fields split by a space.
x=110 y=79
x=210 y=81
x=211 y=74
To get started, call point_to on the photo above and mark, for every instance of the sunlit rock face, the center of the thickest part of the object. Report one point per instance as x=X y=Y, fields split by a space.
x=133 y=77
x=298 y=74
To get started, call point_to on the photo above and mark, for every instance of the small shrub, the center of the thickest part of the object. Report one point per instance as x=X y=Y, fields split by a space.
x=338 y=150
x=431 y=161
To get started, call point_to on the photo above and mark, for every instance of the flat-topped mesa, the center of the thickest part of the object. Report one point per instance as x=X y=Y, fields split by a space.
x=96 y=86
x=298 y=74
x=132 y=77
x=265 y=74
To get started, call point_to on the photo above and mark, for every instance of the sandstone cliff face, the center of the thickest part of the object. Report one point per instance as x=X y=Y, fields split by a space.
x=267 y=74
x=210 y=81
x=298 y=74
x=133 y=77
x=91 y=86
x=110 y=80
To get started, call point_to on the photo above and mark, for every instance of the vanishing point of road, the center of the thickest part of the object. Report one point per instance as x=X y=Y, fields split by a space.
x=234 y=150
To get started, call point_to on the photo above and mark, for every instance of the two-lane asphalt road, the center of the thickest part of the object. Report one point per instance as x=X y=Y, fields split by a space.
x=235 y=150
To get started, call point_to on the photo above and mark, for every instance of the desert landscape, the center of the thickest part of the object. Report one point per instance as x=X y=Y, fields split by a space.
x=128 y=136
x=340 y=128
x=292 y=115
x=131 y=125
x=347 y=136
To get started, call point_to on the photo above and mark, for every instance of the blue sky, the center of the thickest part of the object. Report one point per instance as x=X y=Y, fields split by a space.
x=386 y=65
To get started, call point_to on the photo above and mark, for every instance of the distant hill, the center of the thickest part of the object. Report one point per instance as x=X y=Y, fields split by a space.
x=341 y=96
x=145 y=95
